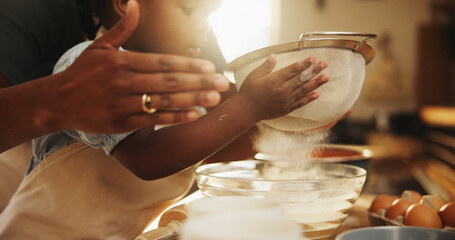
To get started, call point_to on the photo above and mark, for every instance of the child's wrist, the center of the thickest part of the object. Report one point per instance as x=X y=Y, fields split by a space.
x=247 y=108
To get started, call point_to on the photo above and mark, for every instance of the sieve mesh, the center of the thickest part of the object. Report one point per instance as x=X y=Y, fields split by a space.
x=346 y=70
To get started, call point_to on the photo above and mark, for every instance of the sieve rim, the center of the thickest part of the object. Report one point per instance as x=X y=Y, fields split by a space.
x=361 y=47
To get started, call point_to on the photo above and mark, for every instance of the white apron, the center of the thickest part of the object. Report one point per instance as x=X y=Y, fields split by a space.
x=80 y=193
x=13 y=166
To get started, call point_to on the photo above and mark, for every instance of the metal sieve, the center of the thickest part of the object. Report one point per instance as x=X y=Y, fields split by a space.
x=346 y=53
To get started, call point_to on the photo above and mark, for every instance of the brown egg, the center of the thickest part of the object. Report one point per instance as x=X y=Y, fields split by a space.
x=382 y=201
x=412 y=196
x=398 y=208
x=433 y=201
x=447 y=214
x=421 y=215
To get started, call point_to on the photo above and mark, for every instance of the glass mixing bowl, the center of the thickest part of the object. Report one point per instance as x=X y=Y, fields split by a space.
x=318 y=197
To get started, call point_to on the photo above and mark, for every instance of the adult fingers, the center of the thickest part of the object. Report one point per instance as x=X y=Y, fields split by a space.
x=154 y=62
x=121 y=31
x=165 y=102
x=175 y=82
x=264 y=68
x=185 y=99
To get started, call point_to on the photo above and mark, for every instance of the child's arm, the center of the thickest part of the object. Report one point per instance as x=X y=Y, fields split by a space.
x=154 y=154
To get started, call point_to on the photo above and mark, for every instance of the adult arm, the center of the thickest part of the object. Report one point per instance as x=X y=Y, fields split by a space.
x=101 y=92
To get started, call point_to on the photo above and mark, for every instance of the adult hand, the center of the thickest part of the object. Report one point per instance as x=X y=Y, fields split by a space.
x=102 y=90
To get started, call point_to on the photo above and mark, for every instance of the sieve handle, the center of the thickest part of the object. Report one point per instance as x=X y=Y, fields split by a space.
x=367 y=36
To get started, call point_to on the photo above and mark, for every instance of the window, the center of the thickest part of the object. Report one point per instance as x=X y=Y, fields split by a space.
x=242 y=26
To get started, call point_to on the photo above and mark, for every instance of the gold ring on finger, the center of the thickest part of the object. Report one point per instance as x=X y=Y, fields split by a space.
x=147 y=104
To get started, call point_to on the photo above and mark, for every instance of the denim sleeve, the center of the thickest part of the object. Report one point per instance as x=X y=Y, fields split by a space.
x=106 y=142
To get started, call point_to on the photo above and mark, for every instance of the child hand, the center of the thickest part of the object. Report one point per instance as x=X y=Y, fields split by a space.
x=271 y=95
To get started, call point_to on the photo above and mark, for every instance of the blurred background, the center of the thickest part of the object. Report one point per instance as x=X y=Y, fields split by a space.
x=406 y=111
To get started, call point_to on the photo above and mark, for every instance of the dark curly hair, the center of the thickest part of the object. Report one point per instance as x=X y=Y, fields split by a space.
x=88 y=11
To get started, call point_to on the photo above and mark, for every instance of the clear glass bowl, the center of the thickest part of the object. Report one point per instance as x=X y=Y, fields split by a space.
x=319 y=198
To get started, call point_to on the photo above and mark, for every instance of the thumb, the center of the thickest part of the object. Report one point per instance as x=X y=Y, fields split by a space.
x=124 y=28
x=264 y=69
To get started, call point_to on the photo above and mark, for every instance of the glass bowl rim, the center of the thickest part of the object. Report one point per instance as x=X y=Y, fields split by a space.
x=362 y=173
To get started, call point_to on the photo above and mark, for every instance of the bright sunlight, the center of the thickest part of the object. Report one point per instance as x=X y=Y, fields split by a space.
x=242 y=26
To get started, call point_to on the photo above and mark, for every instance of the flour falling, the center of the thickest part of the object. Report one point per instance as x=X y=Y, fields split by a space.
x=289 y=149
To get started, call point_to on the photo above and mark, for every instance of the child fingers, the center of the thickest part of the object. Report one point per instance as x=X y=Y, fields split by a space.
x=303 y=101
x=293 y=70
x=264 y=69
x=312 y=71
x=304 y=94
x=175 y=82
x=310 y=86
x=301 y=80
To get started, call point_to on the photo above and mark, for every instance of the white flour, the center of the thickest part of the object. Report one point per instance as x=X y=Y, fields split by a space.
x=289 y=151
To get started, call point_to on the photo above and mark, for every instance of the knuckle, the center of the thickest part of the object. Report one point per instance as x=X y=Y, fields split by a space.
x=274 y=82
x=277 y=92
x=172 y=81
x=194 y=66
x=296 y=83
x=121 y=85
x=295 y=68
x=205 y=81
x=307 y=64
x=292 y=100
x=177 y=117
x=198 y=98
x=118 y=61
x=165 y=101
x=165 y=64
x=316 y=69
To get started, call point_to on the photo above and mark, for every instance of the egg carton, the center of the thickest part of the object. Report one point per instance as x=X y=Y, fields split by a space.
x=379 y=219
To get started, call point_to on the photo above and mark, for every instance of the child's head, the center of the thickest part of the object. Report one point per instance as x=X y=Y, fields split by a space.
x=165 y=26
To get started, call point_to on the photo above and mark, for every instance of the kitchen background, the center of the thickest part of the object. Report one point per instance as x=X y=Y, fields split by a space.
x=406 y=112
